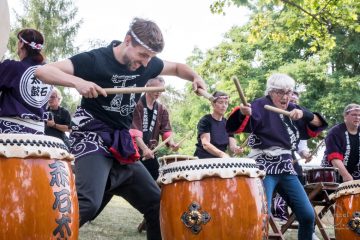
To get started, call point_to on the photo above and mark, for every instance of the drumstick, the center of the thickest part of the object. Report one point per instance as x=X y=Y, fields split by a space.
x=205 y=94
x=277 y=110
x=245 y=142
x=184 y=138
x=312 y=153
x=128 y=90
x=240 y=91
x=161 y=144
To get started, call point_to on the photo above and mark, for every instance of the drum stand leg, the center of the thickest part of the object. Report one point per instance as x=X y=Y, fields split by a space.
x=277 y=234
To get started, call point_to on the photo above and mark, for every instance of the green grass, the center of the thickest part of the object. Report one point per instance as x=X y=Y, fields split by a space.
x=119 y=221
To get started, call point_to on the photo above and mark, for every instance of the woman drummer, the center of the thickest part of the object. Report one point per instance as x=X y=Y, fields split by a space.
x=23 y=97
x=213 y=139
x=273 y=137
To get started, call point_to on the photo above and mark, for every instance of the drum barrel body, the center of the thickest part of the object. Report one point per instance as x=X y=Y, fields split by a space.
x=317 y=175
x=38 y=196
x=236 y=206
x=346 y=208
x=347 y=211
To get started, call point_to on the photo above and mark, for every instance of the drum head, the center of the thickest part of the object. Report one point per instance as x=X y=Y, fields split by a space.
x=4 y=27
x=198 y=169
x=30 y=145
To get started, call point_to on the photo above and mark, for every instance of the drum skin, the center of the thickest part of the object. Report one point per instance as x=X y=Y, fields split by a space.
x=345 y=207
x=38 y=199
x=236 y=206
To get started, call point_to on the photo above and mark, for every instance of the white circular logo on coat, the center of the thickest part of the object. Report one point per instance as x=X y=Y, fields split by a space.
x=32 y=90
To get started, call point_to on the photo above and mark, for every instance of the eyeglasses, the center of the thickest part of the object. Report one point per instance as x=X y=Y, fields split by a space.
x=53 y=97
x=282 y=93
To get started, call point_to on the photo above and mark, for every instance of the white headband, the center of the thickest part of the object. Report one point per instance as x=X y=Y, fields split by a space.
x=33 y=45
x=138 y=39
x=352 y=109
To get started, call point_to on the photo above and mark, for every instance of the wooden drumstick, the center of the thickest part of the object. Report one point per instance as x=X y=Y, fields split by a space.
x=240 y=91
x=312 y=153
x=183 y=139
x=277 y=110
x=161 y=144
x=128 y=90
x=245 y=142
x=206 y=95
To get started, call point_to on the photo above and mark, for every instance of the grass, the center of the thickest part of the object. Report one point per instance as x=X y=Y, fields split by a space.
x=119 y=221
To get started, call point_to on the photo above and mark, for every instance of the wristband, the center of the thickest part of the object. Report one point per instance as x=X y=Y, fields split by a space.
x=54 y=125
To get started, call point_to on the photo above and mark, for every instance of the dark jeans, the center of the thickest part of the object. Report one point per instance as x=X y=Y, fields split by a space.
x=297 y=200
x=98 y=178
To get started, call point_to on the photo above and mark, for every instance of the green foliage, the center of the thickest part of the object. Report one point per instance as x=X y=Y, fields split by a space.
x=55 y=19
x=319 y=50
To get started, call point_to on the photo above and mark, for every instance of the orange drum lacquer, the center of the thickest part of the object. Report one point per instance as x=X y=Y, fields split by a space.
x=38 y=196
x=212 y=199
x=347 y=211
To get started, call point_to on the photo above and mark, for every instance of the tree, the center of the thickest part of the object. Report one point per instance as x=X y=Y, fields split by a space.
x=55 y=19
x=313 y=21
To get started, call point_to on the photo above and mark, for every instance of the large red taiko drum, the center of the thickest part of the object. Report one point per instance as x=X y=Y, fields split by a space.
x=38 y=196
x=215 y=199
x=347 y=211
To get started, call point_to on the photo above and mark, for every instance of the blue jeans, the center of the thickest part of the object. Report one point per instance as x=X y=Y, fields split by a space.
x=297 y=200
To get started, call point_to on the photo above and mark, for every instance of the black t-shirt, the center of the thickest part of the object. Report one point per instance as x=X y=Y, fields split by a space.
x=101 y=67
x=218 y=135
x=354 y=153
x=60 y=116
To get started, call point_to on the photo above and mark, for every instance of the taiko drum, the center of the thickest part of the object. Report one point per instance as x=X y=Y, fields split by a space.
x=212 y=199
x=321 y=174
x=38 y=196
x=347 y=211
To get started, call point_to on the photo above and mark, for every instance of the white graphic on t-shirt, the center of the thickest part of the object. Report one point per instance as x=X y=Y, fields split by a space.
x=119 y=78
x=116 y=104
x=32 y=90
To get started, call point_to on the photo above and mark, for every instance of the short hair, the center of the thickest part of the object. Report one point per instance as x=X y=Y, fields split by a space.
x=33 y=43
x=151 y=81
x=279 y=81
x=147 y=34
x=58 y=94
x=350 y=107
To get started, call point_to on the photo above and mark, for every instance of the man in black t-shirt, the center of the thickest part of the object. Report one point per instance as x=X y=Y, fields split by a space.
x=60 y=119
x=105 y=153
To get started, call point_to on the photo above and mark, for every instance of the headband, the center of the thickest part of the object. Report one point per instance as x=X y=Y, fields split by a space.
x=138 y=39
x=221 y=97
x=33 y=45
x=352 y=109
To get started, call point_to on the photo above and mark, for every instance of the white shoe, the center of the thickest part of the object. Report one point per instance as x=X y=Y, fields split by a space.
x=314 y=237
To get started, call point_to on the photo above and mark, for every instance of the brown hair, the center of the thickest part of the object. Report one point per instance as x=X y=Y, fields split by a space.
x=32 y=36
x=148 y=33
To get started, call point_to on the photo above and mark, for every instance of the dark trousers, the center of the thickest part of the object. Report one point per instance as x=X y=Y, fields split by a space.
x=98 y=178
x=152 y=165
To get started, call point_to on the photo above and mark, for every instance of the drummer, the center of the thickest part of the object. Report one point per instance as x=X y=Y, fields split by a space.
x=343 y=145
x=106 y=157
x=273 y=137
x=150 y=121
x=23 y=97
x=212 y=138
